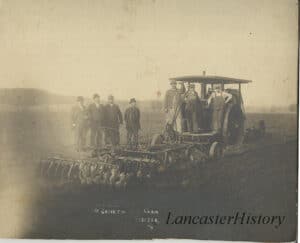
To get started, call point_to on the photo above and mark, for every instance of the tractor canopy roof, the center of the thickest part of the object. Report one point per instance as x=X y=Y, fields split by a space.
x=210 y=79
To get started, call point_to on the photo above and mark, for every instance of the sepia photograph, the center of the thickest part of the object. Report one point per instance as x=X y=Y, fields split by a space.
x=149 y=119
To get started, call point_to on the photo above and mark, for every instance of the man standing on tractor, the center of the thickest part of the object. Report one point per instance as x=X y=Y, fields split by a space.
x=79 y=117
x=132 y=120
x=217 y=100
x=192 y=109
x=173 y=105
x=113 y=121
x=96 y=114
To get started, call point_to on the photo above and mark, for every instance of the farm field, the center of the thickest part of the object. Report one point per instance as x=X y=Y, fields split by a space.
x=258 y=181
x=51 y=129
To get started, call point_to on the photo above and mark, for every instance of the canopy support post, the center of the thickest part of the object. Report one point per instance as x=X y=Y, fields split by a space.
x=240 y=92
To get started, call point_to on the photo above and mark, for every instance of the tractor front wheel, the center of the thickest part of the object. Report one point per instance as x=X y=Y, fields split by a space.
x=215 y=151
x=156 y=140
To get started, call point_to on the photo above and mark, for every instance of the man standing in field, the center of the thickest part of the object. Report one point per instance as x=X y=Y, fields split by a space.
x=96 y=116
x=132 y=120
x=113 y=121
x=173 y=105
x=79 y=117
x=192 y=109
x=217 y=101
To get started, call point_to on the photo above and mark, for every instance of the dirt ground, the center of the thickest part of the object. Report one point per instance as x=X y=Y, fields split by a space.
x=262 y=180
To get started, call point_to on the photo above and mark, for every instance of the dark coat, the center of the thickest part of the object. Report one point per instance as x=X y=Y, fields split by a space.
x=132 y=119
x=192 y=103
x=96 y=114
x=79 y=116
x=113 y=116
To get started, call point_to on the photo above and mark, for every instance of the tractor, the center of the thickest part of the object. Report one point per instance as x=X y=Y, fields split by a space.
x=205 y=139
x=166 y=153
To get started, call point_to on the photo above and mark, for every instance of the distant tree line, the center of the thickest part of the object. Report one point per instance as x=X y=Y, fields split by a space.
x=29 y=97
x=293 y=108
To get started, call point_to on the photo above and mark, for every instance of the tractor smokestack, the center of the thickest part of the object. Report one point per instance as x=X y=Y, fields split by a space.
x=204 y=73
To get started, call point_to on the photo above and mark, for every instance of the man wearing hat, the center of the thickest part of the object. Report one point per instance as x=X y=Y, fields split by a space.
x=217 y=102
x=79 y=117
x=96 y=115
x=132 y=120
x=173 y=105
x=113 y=121
x=193 y=109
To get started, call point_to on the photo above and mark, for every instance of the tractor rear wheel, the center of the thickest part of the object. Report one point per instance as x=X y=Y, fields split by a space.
x=233 y=125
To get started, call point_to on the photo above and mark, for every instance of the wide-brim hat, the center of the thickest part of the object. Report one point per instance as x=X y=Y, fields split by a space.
x=96 y=96
x=133 y=100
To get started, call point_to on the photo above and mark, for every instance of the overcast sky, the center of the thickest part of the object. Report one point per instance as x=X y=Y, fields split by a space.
x=131 y=47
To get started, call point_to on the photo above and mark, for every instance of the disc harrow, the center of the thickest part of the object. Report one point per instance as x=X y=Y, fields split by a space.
x=121 y=167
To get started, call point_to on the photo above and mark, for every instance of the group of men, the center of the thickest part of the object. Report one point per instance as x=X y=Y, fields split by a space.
x=186 y=111
x=103 y=121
